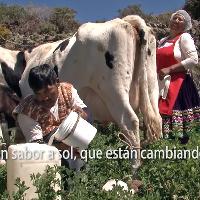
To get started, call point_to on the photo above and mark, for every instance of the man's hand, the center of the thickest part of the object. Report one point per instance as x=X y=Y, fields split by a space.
x=80 y=111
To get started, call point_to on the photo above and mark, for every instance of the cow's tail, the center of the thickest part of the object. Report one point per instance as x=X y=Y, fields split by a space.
x=140 y=26
x=151 y=119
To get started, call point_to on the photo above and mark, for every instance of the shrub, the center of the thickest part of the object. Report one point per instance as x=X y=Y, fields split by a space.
x=5 y=33
x=20 y=194
x=12 y=15
x=162 y=178
x=63 y=19
x=45 y=184
x=3 y=180
x=47 y=28
x=193 y=7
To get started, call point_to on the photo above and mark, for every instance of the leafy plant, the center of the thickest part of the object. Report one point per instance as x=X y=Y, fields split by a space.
x=193 y=7
x=63 y=19
x=5 y=33
x=2 y=179
x=20 y=193
x=45 y=184
x=162 y=178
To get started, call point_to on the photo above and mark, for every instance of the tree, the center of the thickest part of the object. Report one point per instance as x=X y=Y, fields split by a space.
x=193 y=7
x=131 y=10
x=136 y=10
x=64 y=20
x=12 y=14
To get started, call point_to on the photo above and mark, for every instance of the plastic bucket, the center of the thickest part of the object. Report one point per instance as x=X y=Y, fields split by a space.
x=75 y=131
x=30 y=158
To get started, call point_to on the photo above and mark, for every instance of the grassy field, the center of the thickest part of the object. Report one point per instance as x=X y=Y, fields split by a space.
x=162 y=178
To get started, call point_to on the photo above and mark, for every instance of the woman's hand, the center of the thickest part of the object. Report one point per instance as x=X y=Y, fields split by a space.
x=163 y=72
x=178 y=67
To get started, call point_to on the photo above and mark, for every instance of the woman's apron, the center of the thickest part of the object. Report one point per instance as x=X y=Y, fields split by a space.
x=164 y=59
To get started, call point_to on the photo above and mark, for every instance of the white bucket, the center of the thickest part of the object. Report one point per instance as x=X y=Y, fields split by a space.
x=30 y=158
x=75 y=131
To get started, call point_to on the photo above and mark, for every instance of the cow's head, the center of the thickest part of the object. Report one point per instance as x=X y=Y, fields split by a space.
x=12 y=68
x=11 y=78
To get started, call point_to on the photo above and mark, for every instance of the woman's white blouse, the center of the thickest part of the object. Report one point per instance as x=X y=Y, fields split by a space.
x=184 y=50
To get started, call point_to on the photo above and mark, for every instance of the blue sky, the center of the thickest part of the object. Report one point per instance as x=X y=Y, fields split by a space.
x=92 y=10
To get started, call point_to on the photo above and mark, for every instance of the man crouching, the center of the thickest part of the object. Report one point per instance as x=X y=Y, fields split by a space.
x=40 y=114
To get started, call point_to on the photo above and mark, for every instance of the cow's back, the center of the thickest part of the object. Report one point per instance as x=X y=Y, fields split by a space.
x=101 y=62
x=94 y=42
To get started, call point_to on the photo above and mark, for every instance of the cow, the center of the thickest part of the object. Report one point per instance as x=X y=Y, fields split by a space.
x=113 y=67
x=13 y=63
x=55 y=58
x=116 y=75
x=8 y=101
x=12 y=74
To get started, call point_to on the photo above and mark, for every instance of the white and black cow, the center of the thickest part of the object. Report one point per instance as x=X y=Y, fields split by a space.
x=113 y=66
x=13 y=63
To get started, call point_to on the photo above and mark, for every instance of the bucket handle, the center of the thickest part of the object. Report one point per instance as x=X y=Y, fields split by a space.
x=73 y=129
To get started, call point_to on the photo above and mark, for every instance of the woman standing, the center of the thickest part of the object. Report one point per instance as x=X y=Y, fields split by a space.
x=176 y=54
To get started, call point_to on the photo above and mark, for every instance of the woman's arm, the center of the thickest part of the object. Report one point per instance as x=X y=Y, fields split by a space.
x=188 y=56
x=172 y=69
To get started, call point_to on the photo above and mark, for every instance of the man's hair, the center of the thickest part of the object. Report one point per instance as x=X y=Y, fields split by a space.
x=41 y=76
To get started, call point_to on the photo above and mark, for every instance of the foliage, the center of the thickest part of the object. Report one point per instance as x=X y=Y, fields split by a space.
x=5 y=33
x=46 y=183
x=131 y=10
x=42 y=20
x=162 y=178
x=2 y=179
x=20 y=194
x=149 y=18
x=12 y=14
x=172 y=178
x=63 y=19
x=193 y=7
x=47 y=28
x=164 y=18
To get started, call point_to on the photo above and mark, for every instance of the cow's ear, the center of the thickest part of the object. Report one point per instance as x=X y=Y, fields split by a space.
x=11 y=78
x=15 y=98
x=20 y=63
x=56 y=69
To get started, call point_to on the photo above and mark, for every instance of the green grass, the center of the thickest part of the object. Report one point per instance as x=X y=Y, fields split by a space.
x=162 y=178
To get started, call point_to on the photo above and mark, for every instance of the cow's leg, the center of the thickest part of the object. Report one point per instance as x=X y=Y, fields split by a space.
x=158 y=120
x=125 y=117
